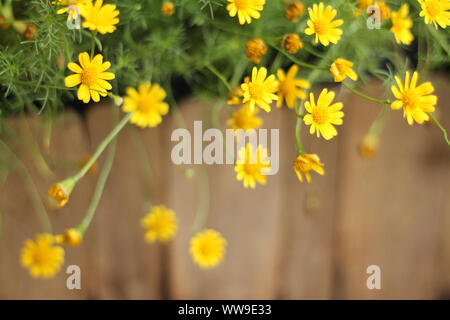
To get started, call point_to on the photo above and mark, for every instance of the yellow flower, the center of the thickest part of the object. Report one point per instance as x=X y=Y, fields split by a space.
x=92 y=77
x=290 y=88
x=68 y=3
x=61 y=191
x=146 y=104
x=416 y=101
x=208 y=248
x=364 y=4
x=294 y=10
x=245 y=9
x=251 y=166
x=255 y=49
x=385 y=11
x=244 y=119
x=30 y=31
x=369 y=146
x=436 y=12
x=260 y=91
x=42 y=257
x=71 y=237
x=167 y=8
x=100 y=18
x=307 y=162
x=342 y=69
x=292 y=43
x=322 y=116
x=322 y=25
x=401 y=25
x=160 y=224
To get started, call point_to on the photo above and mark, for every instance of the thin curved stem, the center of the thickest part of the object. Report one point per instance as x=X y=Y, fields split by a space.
x=222 y=78
x=103 y=177
x=362 y=95
x=203 y=202
x=102 y=146
x=296 y=61
x=440 y=127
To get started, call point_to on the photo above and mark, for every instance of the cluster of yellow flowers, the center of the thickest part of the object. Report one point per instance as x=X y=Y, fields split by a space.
x=145 y=107
x=321 y=115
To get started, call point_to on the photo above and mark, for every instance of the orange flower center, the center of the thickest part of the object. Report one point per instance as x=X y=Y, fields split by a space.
x=409 y=99
x=251 y=169
x=89 y=77
x=320 y=115
x=303 y=166
x=433 y=8
x=241 y=4
x=321 y=27
x=255 y=90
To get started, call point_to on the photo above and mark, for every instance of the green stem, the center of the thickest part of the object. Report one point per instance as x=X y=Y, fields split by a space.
x=103 y=177
x=362 y=95
x=25 y=83
x=295 y=60
x=203 y=202
x=146 y=167
x=102 y=146
x=298 y=127
x=35 y=197
x=94 y=33
x=440 y=127
x=222 y=78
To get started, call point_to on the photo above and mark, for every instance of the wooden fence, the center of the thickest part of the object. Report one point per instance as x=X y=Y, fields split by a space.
x=285 y=240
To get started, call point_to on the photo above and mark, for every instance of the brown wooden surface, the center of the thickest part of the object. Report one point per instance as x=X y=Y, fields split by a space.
x=285 y=240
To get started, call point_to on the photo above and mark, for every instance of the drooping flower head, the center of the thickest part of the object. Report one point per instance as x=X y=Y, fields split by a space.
x=42 y=257
x=368 y=146
x=323 y=115
x=290 y=88
x=252 y=165
x=255 y=49
x=99 y=17
x=61 y=191
x=208 y=248
x=260 y=91
x=244 y=119
x=308 y=162
x=416 y=101
x=341 y=69
x=160 y=224
x=92 y=77
x=294 y=10
x=71 y=237
x=292 y=43
x=436 y=12
x=245 y=9
x=401 y=25
x=146 y=104
x=322 y=25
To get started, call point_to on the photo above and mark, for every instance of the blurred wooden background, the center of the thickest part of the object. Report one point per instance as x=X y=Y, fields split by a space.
x=285 y=240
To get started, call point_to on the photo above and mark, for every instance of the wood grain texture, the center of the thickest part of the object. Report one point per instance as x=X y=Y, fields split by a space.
x=285 y=240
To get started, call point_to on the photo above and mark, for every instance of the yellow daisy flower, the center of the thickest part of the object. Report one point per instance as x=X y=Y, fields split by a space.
x=416 y=101
x=252 y=165
x=305 y=163
x=401 y=25
x=322 y=25
x=160 y=224
x=245 y=9
x=341 y=69
x=168 y=8
x=99 y=17
x=244 y=119
x=92 y=77
x=290 y=88
x=362 y=5
x=322 y=116
x=42 y=257
x=259 y=90
x=436 y=12
x=146 y=104
x=208 y=248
